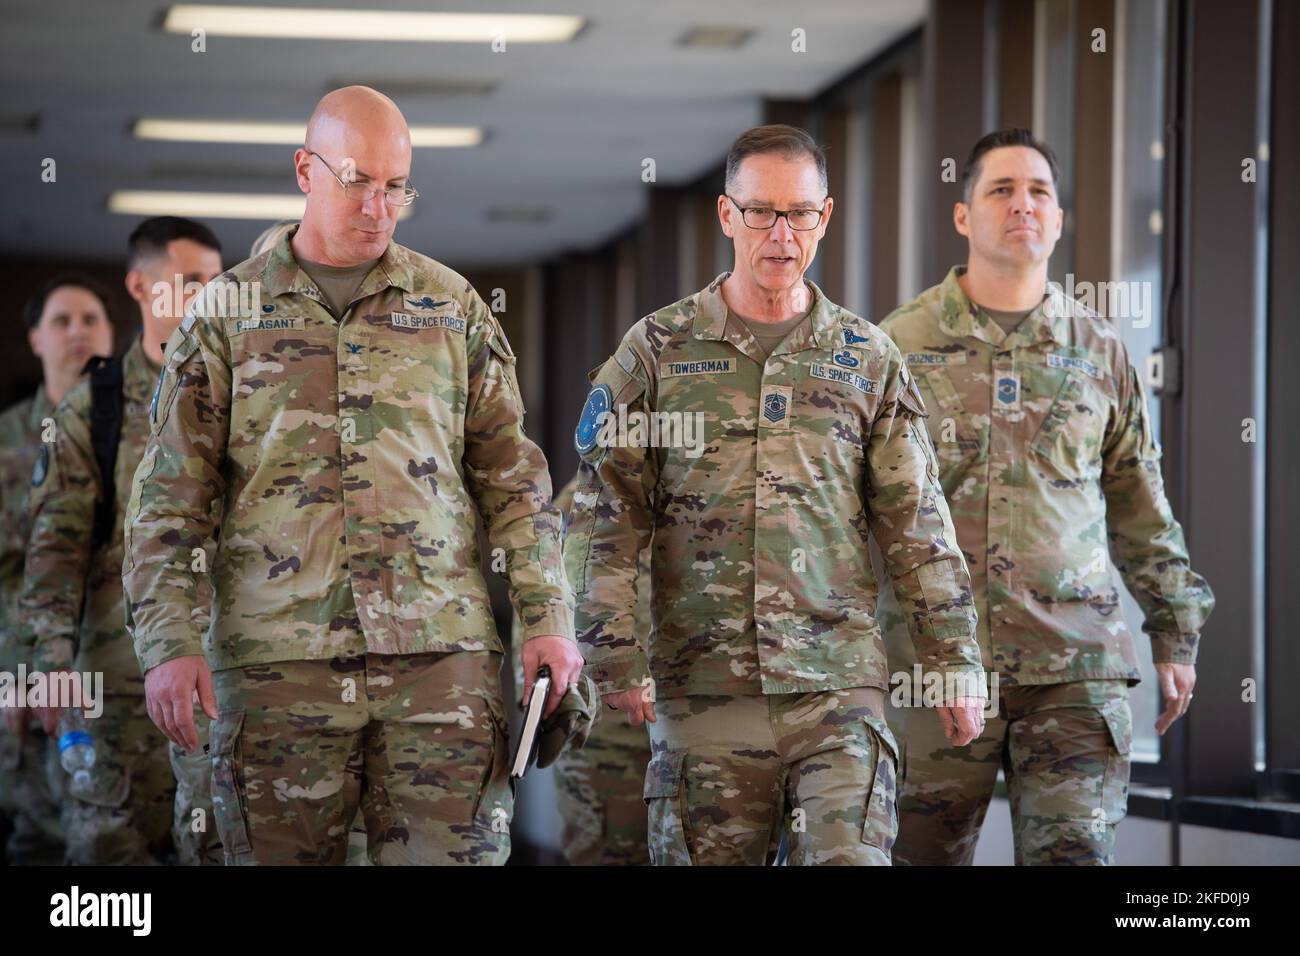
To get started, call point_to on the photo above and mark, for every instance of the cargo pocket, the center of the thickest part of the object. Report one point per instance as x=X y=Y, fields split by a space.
x=495 y=798
x=880 y=829
x=909 y=398
x=229 y=806
x=667 y=819
x=1071 y=431
x=501 y=349
x=1114 y=787
x=968 y=443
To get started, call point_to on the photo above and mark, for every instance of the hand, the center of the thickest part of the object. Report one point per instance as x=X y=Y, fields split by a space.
x=963 y=721
x=50 y=714
x=1176 y=683
x=169 y=696
x=564 y=659
x=639 y=703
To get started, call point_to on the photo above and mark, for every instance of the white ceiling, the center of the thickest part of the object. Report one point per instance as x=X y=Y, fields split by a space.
x=567 y=124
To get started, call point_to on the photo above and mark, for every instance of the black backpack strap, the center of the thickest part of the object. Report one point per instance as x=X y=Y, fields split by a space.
x=105 y=433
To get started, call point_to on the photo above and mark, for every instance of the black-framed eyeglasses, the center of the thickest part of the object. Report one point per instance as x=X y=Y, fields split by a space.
x=364 y=192
x=765 y=217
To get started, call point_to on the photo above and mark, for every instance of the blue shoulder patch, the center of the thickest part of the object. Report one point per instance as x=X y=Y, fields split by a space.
x=598 y=403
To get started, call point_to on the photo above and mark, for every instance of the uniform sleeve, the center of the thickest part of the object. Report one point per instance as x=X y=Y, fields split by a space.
x=910 y=520
x=507 y=475
x=171 y=509
x=609 y=527
x=1146 y=542
x=62 y=512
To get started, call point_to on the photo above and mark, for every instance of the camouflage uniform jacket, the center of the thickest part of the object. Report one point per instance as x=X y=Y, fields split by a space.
x=760 y=575
x=1049 y=465
x=72 y=605
x=351 y=458
x=20 y=443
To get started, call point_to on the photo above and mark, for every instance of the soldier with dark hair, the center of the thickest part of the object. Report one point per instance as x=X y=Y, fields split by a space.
x=71 y=606
x=1049 y=466
x=67 y=322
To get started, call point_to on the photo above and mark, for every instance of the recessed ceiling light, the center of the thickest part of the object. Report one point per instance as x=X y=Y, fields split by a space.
x=314 y=23
x=288 y=134
x=727 y=38
x=272 y=206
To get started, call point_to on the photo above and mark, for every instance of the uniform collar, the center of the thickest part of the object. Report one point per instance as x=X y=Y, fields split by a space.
x=1049 y=322
x=817 y=329
x=282 y=273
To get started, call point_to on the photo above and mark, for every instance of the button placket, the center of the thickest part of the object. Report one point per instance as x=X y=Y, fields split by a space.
x=357 y=486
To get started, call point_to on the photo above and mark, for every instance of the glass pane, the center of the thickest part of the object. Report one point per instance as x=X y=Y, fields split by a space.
x=1136 y=261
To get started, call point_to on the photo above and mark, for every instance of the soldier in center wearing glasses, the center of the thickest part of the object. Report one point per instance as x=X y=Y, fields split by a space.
x=349 y=428
x=762 y=673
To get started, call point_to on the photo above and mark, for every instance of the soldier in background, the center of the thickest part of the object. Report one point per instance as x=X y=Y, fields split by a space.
x=598 y=786
x=67 y=323
x=763 y=673
x=351 y=426
x=72 y=603
x=1049 y=465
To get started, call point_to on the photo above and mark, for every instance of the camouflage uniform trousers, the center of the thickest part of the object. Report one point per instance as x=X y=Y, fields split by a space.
x=198 y=842
x=1064 y=752
x=729 y=774
x=598 y=790
x=418 y=742
x=31 y=787
x=124 y=814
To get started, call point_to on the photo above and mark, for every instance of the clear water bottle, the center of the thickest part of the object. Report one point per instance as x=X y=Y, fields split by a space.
x=76 y=748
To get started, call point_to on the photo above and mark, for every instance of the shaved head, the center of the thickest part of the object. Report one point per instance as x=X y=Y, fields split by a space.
x=356 y=112
x=355 y=134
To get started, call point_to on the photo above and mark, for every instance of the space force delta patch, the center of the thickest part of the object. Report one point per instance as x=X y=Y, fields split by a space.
x=268 y=323
x=699 y=367
x=404 y=320
x=843 y=377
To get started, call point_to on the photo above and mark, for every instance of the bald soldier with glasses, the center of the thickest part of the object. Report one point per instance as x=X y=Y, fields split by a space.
x=352 y=430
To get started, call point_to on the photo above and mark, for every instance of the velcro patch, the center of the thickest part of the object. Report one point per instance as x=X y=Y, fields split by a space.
x=853 y=340
x=1069 y=361
x=843 y=377
x=698 y=367
x=278 y=323
x=404 y=320
x=774 y=406
x=1008 y=390
x=936 y=358
x=598 y=404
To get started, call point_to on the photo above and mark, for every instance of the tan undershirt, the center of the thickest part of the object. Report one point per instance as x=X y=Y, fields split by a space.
x=337 y=283
x=1008 y=322
x=769 y=334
